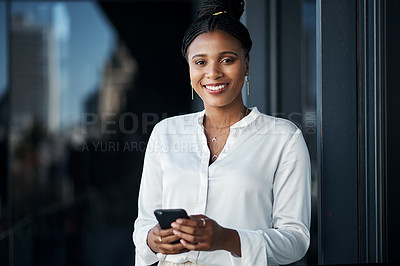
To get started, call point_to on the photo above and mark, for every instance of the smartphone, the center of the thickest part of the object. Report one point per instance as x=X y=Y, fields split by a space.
x=167 y=216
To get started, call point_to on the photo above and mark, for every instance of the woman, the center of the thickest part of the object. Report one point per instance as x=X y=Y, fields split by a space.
x=244 y=176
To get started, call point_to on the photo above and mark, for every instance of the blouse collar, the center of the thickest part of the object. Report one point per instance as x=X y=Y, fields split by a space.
x=254 y=113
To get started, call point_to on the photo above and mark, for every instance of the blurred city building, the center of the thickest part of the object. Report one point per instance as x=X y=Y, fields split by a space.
x=35 y=75
x=110 y=100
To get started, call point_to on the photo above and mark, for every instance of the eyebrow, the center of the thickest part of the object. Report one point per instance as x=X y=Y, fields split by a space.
x=222 y=53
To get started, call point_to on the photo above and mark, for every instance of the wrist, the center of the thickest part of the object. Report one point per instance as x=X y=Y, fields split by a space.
x=231 y=241
x=150 y=242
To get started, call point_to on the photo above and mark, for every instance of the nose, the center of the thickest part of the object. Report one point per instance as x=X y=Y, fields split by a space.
x=213 y=71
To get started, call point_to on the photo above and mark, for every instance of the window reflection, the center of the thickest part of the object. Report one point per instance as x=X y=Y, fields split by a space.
x=75 y=122
x=65 y=62
x=48 y=47
x=3 y=113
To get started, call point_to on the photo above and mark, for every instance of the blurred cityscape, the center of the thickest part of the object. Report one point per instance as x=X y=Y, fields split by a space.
x=70 y=127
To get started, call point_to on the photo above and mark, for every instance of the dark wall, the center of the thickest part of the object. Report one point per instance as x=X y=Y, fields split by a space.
x=154 y=33
x=393 y=128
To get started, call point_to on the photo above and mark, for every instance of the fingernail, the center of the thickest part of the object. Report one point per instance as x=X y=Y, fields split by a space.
x=174 y=225
x=179 y=221
x=175 y=232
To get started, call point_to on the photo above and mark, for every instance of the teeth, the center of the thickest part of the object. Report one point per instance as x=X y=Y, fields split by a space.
x=215 y=88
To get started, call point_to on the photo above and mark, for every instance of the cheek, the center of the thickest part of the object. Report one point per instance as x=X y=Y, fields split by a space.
x=195 y=76
x=237 y=74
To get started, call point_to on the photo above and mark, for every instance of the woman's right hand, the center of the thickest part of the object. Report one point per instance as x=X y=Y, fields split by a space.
x=159 y=240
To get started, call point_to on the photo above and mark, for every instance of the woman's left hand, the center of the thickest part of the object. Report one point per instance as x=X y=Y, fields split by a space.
x=204 y=234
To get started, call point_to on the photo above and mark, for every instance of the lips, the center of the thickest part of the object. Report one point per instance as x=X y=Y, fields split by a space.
x=215 y=88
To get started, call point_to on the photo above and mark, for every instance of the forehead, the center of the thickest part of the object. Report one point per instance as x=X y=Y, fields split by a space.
x=211 y=43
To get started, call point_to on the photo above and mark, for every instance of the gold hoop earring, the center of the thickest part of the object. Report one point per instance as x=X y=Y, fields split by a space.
x=247 y=78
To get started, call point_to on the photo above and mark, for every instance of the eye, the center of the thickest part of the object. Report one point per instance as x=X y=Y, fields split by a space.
x=200 y=62
x=227 y=60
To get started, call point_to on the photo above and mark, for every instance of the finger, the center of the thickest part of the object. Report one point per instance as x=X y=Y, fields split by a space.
x=165 y=232
x=189 y=237
x=156 y=229
x=192 y=230
x=201 y=220
x=197 y=216
x=194 y=246
x=172 y=248
x=188 y=222
x=163 y=236
x=167 y=239
x=170 y=252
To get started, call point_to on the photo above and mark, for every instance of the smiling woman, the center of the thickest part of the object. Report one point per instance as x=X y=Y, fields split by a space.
x=246 y=182
x=218 y=64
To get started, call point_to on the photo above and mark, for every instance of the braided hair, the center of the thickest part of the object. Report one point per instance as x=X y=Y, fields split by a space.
x=221 y=15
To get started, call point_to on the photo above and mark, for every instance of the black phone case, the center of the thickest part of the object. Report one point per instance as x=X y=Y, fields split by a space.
x=167 y=216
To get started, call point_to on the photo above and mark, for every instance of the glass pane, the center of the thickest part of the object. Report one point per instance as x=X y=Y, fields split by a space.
x=3 y=48
x=88 y=82
x=4 y=105
x=55 y=66
x=309 y=113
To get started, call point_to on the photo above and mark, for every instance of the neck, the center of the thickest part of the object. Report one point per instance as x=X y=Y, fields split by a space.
x=223 y=117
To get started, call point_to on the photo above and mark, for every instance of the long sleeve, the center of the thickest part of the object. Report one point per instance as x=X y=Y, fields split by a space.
x=288 y=239
x=149 y=200
x=259 y=186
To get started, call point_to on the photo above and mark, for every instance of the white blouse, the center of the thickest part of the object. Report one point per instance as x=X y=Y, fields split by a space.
x=259 y=185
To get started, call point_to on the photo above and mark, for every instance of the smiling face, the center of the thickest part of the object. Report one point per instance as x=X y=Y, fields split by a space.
x=218 y=64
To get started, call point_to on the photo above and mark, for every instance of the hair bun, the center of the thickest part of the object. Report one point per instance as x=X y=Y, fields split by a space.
x=233 y=8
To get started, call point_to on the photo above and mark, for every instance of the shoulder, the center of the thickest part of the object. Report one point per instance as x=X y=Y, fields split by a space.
x=177 y=124
x=276 y=125
x=283 y=133
x=275 y=132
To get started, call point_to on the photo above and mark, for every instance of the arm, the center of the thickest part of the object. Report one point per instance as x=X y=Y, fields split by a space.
x=147 y=232
x=149 y=199
x=288 y=239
